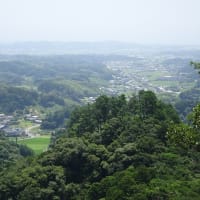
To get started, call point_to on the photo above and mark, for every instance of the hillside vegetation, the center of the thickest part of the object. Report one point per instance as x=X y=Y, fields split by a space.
x=49 y=85
x=10 y=152
x=114 y=149
x=53 y=85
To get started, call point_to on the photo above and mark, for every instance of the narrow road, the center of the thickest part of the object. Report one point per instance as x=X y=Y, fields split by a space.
x=28 y=130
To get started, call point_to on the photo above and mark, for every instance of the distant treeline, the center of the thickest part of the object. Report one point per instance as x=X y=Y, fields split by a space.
x=16 y=98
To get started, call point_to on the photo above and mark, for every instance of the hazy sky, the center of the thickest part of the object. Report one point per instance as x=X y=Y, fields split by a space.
x=139 y=21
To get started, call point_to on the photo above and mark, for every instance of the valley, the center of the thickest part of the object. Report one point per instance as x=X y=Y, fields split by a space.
x=42 y=90
x=89 y=126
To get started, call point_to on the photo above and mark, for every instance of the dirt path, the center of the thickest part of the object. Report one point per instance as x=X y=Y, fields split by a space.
x=28 y=130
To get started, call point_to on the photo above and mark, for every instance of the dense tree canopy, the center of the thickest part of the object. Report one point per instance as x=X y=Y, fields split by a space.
x=10 y=152
x=114 y=149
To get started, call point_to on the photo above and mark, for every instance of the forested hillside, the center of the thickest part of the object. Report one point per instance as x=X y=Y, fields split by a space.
x=114 y=149
x=50 y=86
x=68 y=77
x=188 y=99
x=53 y=83
x=10 y=152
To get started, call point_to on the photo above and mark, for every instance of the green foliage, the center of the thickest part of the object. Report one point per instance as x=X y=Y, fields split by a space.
x=186 y=136
x=25 y=151
x=196 y=117
x=196 y=65
x=37 y=144
x=35 y=183
x=114 y=149
x=182 y=135
x=18 y=98
x=81 y=159
x=49 y=82
x=10 y=152
x=14 y=98
x=55 y=119
x=187 y=101
x=49 y=100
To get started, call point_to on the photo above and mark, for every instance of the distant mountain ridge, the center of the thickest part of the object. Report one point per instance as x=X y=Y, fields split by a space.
x=45 y=47
x=105 y=47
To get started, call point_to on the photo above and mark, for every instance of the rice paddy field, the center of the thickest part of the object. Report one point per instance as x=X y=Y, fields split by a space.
x=37 y=144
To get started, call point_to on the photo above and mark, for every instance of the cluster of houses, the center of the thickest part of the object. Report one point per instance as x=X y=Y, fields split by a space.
x=87 y=100
x=132 y=76
x=33 y=118
x=6 y=122
x=15 y=132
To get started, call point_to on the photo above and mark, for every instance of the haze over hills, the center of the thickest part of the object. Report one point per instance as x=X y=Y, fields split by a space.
x=111 y=68
x=107 y=47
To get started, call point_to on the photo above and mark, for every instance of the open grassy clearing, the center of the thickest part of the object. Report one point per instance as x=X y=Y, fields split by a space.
x=37 y=144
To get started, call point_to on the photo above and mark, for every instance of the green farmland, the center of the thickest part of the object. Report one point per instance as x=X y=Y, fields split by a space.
x=37 y=144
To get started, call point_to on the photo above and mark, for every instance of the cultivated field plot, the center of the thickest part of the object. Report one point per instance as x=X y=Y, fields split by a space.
x=37 y=144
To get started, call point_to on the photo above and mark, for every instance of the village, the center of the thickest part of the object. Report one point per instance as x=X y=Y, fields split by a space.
x=165 y=78
x=9 y=124
x=143 y=73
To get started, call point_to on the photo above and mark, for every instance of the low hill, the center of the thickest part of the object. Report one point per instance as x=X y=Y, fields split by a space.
x=114 y=149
